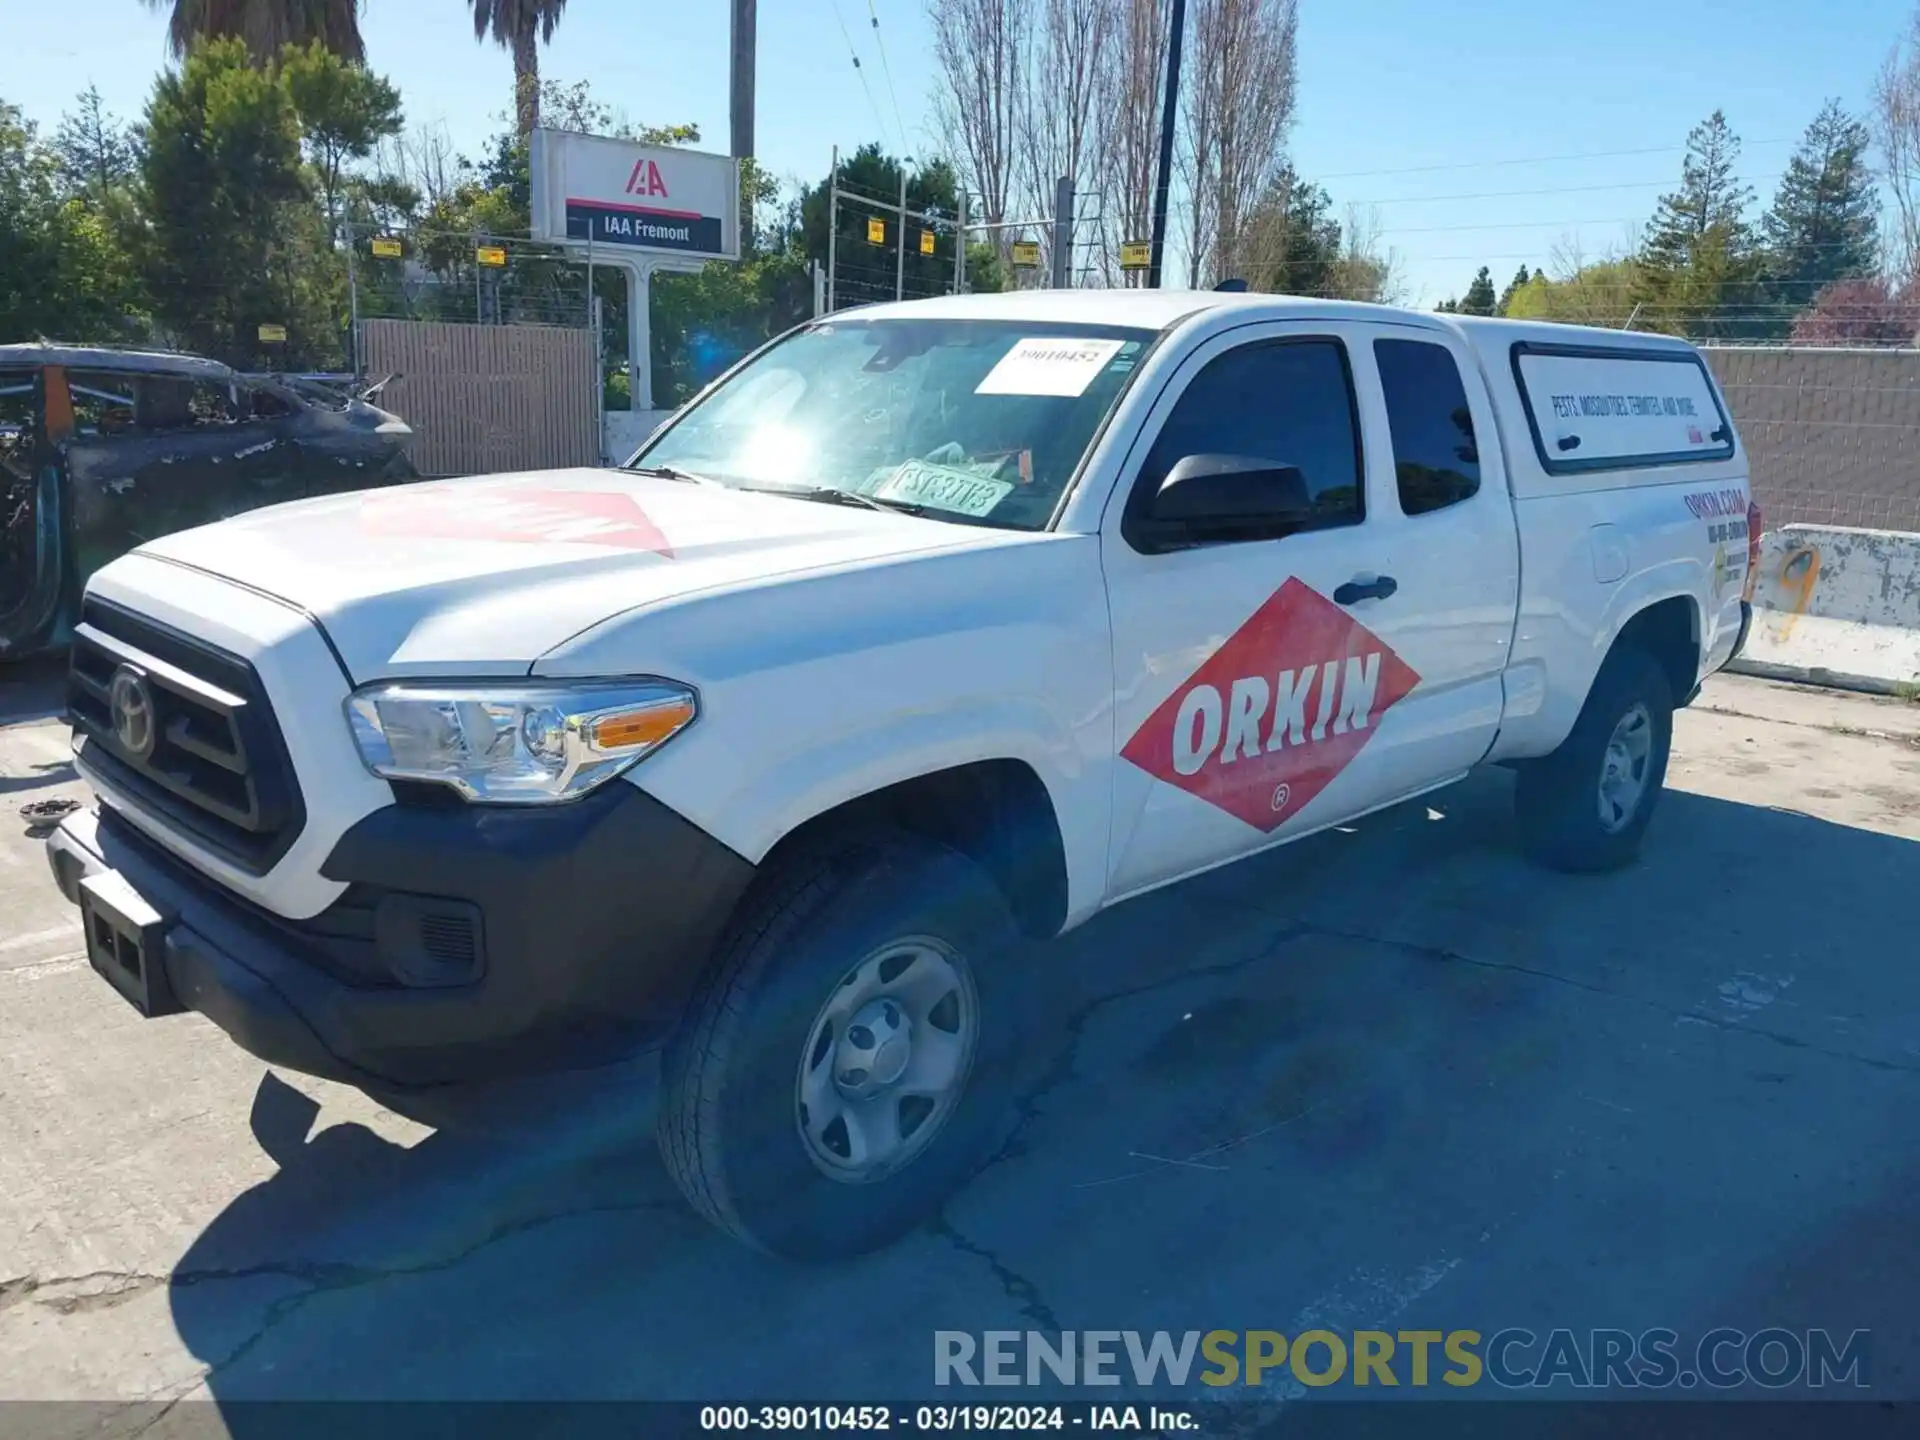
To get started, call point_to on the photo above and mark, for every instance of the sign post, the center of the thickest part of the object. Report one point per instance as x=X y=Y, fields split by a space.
x=641 y=209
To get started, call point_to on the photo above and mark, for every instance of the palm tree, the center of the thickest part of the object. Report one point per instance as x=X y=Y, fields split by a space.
x=265 y=25
x=521 y=26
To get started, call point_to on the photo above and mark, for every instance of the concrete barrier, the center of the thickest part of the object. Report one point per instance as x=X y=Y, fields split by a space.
x=1836 y=606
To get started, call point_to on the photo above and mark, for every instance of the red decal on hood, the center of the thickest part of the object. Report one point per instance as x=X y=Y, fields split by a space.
x=529 y=516
x=1276 y=712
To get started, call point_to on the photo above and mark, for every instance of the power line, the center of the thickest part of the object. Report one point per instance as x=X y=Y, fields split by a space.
x=1555 y=190
x=853 y=54
x=887 y=70
x=1534 y=160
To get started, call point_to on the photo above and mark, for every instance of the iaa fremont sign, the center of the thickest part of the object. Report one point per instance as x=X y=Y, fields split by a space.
x=589 y=189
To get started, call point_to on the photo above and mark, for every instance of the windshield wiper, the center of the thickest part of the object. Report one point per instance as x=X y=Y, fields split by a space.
x=674 y=472
x=827 y=495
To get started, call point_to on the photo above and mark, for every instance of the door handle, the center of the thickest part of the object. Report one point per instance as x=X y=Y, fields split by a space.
x=1378 y=588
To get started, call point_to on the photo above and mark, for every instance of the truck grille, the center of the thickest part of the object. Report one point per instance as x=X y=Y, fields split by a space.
x=192 y=738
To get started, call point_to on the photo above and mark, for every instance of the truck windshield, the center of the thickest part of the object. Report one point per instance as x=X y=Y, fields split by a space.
x=956 y=419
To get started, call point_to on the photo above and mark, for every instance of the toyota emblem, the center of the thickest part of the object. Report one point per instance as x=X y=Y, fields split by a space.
x=131 y=703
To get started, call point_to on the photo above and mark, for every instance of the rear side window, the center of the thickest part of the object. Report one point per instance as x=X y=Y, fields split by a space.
x=1287 y=402
x=1434 y=455
x=1604 y=409
x=102 y=402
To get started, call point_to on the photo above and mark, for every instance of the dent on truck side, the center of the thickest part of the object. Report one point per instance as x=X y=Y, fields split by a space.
x=821 y=688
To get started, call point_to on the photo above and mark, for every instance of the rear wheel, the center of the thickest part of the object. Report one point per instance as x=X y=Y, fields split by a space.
x=852 y=1055
x=1586 y=806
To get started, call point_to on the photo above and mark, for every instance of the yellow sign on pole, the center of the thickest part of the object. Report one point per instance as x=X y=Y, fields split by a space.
x=926 y=242
x=1135 y=255
x=387 y=247
x=273 y=334
x=876 y=232
x=495 y=255
x=1026 y=254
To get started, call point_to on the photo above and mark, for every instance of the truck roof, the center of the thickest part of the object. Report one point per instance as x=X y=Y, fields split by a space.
x=1158 y=309
x=108 y=357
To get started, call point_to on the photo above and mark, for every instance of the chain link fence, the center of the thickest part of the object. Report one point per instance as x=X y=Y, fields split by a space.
x=1833 y=435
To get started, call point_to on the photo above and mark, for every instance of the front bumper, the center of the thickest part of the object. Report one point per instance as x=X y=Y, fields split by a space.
x=582 y=928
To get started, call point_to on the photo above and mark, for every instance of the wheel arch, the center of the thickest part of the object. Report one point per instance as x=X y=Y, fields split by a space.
x=1671 y=631
x=997 y=812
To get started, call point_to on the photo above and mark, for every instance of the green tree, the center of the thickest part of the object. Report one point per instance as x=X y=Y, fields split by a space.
x=1295 y=243
x=520 y=27
x=67 y=274
x=1824 y=223
x=98 y=154
x=1699 y=262
x=265 y=27
x=344 y=110
x=1479 y=297
x=1598 y=294
x=1521 y=279
x=865 y=271
x=233 y=239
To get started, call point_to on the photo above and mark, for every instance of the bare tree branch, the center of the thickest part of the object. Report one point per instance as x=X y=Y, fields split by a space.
x=1895 y=122
x=1131 y=103
x=1239 y=106
x=982 y=47
x=1065 y=114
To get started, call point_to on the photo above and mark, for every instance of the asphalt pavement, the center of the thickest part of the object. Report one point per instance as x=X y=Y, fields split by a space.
x=1389 y=1077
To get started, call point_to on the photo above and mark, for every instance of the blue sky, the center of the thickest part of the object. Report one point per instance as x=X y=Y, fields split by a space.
x=1415 y=111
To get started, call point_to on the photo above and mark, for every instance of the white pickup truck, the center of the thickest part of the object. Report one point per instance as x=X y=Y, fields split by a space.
x=923 y=635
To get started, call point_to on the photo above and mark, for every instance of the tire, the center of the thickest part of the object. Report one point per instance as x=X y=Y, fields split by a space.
x=730 y=1128
x=1558 y=799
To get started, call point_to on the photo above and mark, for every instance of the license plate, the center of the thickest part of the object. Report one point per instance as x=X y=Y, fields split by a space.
x=126 y=942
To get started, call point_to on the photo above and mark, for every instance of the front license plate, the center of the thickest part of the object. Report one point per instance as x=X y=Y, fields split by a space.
x=126 y=942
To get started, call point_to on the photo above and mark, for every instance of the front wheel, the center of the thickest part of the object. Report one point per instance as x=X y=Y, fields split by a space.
x=851 y=1055
x=1585 y=807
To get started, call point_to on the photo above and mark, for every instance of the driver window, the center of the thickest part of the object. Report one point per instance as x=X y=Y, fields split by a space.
x=1286 y=402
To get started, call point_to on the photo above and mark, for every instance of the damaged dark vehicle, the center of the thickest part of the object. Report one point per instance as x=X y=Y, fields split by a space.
x=103 y=449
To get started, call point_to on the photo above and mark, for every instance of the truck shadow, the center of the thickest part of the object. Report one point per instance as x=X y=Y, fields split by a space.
x=1376 y=1020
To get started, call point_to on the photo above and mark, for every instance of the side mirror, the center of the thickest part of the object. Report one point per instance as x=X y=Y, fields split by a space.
x=1219 y=497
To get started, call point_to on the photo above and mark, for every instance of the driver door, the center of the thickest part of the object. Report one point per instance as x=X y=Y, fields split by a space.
x=1255 y=695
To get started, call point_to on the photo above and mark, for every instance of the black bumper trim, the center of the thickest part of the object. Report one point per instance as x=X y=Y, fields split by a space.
x=599 y=916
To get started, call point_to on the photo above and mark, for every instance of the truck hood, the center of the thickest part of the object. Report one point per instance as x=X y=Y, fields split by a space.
x=483 y=576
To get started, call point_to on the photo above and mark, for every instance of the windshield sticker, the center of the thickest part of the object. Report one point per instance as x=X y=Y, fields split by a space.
x=1048 y=366
x=514 y=515
x=943 y=488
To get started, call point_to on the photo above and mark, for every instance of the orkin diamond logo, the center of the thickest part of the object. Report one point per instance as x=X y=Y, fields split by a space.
x=1275 y=713
x=524 y=515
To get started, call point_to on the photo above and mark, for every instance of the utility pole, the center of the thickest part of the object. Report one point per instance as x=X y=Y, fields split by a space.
x=1168 y=114
x=900 y=262
x=740 y=93
x=833 y=222
x=1063 y=232
x=960 y=246
x=353 y=306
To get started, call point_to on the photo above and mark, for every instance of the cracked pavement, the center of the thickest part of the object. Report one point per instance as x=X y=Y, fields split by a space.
x=1390 y=1076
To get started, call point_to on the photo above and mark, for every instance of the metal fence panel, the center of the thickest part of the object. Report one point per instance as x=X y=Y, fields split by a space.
x=1833 y=435
x=484 y=398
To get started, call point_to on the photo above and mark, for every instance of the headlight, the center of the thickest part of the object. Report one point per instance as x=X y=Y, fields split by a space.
x=522 y=744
